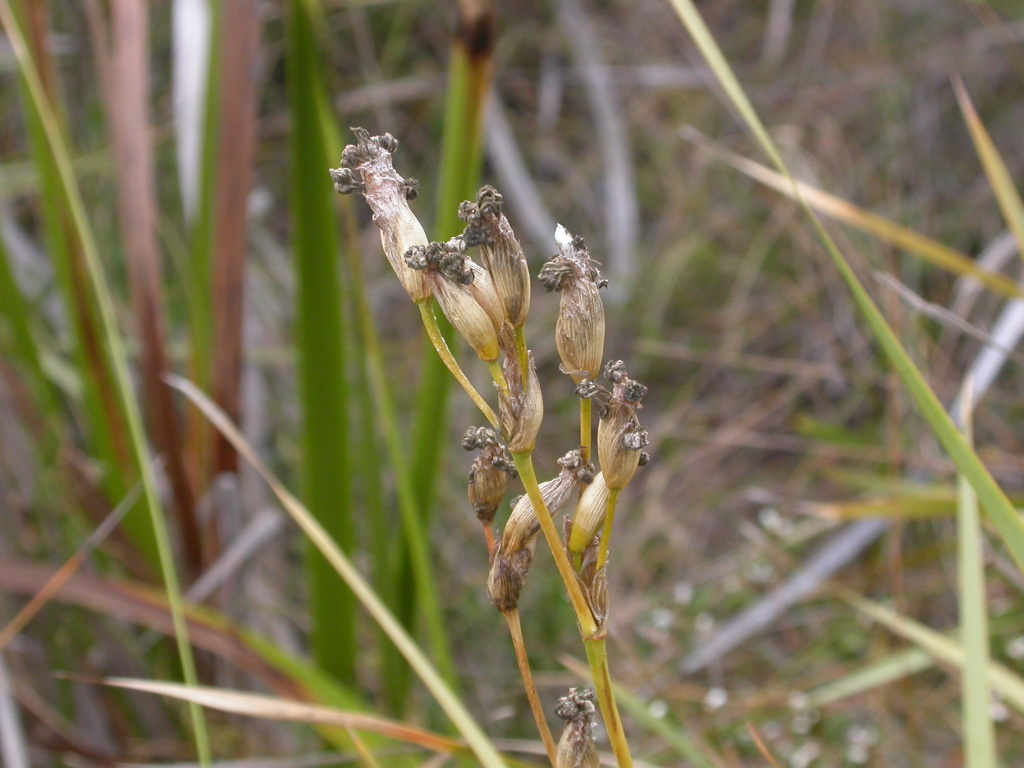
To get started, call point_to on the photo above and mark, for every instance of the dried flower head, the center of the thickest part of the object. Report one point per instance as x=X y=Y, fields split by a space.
x=500 y=252
x=522 y=527
x=620 y=437
x=507 y=577
x=464 y=292
x=576 y=748
x=579 y=332
x=489 y=473
x=388 y=195
x=589 y=517
x=523 y=411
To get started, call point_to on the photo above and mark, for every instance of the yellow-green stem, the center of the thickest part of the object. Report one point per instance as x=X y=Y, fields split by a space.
x=519 y=340
x=516 y=631
x=584 y=618
x=499 y=378
x=597 y=656
x=430 y=324
x=586 y=433
x=606 y=532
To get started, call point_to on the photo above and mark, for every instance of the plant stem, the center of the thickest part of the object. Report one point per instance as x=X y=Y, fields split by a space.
x=606 y=533
x=519 y=340
x=516 y=631
x=586 y=433
x=592 y=634
x=430 y=323
x=597 y=656
x=499 y=378
x=584 y=617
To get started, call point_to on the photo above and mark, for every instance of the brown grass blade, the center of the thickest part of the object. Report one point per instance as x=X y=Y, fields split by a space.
x=242 y=34
x=274 y=708
x=124 y=70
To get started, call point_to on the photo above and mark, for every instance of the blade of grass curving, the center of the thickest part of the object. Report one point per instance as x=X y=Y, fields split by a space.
x=993 y=500
x=999 y=177
x=105 y=421
x=894 y=666
x=469 y=77
x=931 y=251
x=413 y=546
x=1008 y=683
x=320 y=343
x=126 y=65
x=456 y=711
x=276 y=708
x=978 y=732
x=72 y=203
x=237 y=144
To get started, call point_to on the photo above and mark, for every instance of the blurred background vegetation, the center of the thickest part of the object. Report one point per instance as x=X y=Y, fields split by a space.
x=165 y=207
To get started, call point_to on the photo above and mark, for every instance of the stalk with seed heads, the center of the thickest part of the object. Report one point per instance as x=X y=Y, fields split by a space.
x=488 y=304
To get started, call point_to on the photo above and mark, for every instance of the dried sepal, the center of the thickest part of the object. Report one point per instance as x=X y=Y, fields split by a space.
x=579 y=331
x=523 y=410
x=620 y=437
x=589 y=517
x=576 y=747
x=388 y=194
x=522 y=527
x=500 y=252
x=507 y=577
x=464 y=292
x=489 y=472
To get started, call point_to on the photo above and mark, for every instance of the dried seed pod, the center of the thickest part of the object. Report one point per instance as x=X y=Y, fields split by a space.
x=489 y=473
x=507 y=576
x=589 y=517
x=579 y=331
x=500 y=252
x=523 y=412
x=576 y=748
x=463 y=291
x=522 y=527
x=388 y=195
x=620 y=437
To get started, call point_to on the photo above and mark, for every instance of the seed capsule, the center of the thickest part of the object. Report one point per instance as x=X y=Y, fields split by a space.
x=500 y=252
x=576 y=748
x=589 y=517
x=489 y=473
x=579 y=330
x=523 y=412
x=620 y=437
x=522 y=527
x=507 y=576
x=388 y=194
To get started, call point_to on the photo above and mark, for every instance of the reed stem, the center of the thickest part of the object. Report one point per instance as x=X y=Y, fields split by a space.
x=597 y=657
x=586 y=432
x=606 y=532
x=441 y=346
x=516 y=631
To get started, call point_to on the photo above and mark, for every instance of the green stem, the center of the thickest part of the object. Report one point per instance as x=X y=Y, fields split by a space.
x=597 y=657
x=516 y=631
x=499 y=378
x=584 y=617
x=519 y=340
x=430 y=323
x=586 y=433
x=609 y=515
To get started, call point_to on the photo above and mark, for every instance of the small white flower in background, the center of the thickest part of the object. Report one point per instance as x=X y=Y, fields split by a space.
x=682 y=593
x=806 y=755
x=715 y=699
x=658 y=708
x=1015 y=648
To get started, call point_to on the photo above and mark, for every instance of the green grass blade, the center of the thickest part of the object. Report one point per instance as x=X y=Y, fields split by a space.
x=71 y=199
x=1008 y=683
x=320 y=343
x=892 y=667
x=993 y=500
x=449 y=702
x=979 y=734
x=995 y=169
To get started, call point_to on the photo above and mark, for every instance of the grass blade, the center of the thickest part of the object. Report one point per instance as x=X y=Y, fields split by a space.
x=113 y=348
x=995 y=169
x=979 y=734
x=237 y=145
x=320 y=342
x=931 y=251
x=451 y=705
x=993 y=500
x=894 y=666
